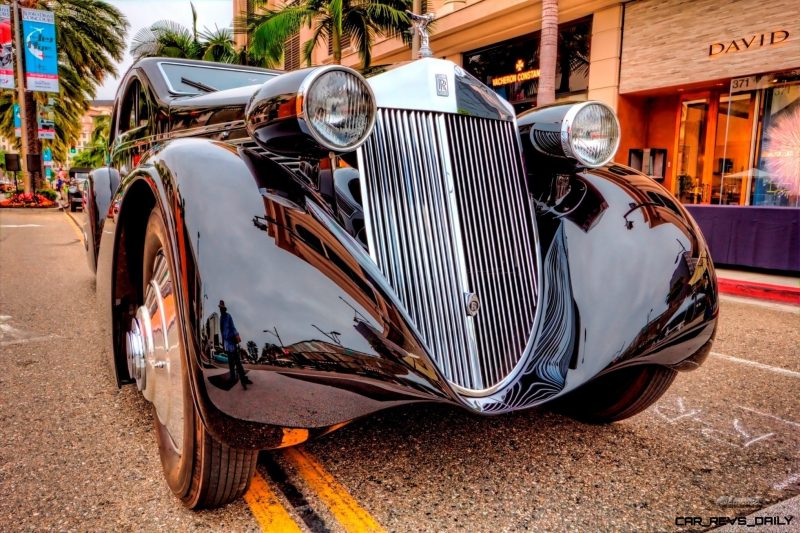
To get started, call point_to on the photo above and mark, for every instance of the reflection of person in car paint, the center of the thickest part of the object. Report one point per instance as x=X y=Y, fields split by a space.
x=230 y=343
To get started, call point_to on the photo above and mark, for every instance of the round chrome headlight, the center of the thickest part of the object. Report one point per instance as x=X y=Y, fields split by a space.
x=338 y=107
x=590 y=133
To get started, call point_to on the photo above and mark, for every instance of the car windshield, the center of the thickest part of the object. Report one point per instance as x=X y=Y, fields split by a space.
x=187 y=79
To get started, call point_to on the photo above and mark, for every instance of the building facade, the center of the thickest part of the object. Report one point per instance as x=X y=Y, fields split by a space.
x=498 y=40
x=709 y=103
x=707 y=92
x=719 y=99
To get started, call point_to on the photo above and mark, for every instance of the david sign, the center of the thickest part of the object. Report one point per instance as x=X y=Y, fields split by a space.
x=41 y=56
x=746 y=43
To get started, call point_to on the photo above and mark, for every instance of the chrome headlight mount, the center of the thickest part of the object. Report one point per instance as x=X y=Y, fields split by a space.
x=312 y=111
x=585 y=132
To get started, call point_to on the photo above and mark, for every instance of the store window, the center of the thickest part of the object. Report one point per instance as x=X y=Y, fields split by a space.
x=742 y=146
x=511 y=67
x=777 y=177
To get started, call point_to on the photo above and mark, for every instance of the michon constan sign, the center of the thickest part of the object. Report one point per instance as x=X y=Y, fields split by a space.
x=515 y=78
x=41 y=56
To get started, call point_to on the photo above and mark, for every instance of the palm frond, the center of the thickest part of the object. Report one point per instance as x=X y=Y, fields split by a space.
x=271 y=29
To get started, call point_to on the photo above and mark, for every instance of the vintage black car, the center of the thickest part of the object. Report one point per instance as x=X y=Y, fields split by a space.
x=77 y=184
x=279 y=254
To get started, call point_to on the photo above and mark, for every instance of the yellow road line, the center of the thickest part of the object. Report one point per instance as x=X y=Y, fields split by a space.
x=352 y=517
x=75 y=226
x=268 y=511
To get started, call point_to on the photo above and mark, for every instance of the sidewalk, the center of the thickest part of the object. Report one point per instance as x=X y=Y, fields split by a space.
x=785 y=289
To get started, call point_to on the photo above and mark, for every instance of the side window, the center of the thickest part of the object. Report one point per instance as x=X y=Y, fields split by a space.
x=135 y=111
x=142 y=107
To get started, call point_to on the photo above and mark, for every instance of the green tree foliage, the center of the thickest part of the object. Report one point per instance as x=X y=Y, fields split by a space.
x=331 y=20
x=94 y=155
x=167 y=38
x=91 y=39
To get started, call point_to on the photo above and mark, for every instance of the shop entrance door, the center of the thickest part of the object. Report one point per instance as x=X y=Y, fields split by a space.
x=734 y=168
x=693 y=183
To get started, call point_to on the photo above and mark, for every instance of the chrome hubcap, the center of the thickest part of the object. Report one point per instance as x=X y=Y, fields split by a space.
x=153 y=351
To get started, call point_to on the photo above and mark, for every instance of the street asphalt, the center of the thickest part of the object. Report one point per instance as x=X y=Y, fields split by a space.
x=76 y=453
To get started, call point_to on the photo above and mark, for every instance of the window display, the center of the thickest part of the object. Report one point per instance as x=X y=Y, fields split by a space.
x=511 y=67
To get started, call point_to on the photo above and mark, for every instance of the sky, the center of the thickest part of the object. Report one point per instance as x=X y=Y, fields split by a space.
x=142 y=13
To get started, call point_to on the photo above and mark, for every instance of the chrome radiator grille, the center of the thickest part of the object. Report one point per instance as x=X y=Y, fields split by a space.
x=448 y=216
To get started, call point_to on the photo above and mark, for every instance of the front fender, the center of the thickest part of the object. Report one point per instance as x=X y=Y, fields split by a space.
x=321 y=343
x=627 y=280
x=102 y=185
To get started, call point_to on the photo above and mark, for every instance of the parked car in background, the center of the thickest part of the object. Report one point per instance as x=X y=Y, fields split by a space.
x=77 y=183
x=278 y=254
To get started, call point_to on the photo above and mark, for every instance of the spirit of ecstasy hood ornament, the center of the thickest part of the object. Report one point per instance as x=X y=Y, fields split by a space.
x=420 y=23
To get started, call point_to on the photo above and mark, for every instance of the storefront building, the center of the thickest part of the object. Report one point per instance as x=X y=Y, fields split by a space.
x=710 y=106
x=707 y=91
x=498 y=41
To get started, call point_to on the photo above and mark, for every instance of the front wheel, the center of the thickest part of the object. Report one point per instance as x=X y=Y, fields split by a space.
x=618 y=395
x=200 y=470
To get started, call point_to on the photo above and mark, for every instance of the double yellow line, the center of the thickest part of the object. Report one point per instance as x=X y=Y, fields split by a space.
x=271 y=515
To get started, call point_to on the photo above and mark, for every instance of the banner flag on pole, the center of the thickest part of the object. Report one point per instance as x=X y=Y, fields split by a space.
x=6 y=49
x=17 y=121
x=46 y=121
x=41 y=56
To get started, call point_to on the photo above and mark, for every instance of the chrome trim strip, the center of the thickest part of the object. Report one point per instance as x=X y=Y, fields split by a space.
x=173 y=90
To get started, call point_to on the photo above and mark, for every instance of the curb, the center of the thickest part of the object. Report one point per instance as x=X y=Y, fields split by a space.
x=77 y=224
x=761 y=291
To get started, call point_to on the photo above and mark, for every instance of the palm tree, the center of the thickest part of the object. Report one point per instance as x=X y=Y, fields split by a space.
x=548 y=48
x=332 y=21
x=91 y=39
x=167 y=38
x=217 y=45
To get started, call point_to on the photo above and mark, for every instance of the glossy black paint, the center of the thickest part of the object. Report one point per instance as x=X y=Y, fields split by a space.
x=102 y=184
x=626 y=280
x=273 y=116
x=331 y=346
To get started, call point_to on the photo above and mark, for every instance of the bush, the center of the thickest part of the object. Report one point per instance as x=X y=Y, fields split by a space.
x=27 y=200
x=50 y=194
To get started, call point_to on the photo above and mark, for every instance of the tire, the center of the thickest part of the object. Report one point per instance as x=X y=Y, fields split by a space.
x=201 y=471
x=72 y=207
x=618 y=395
